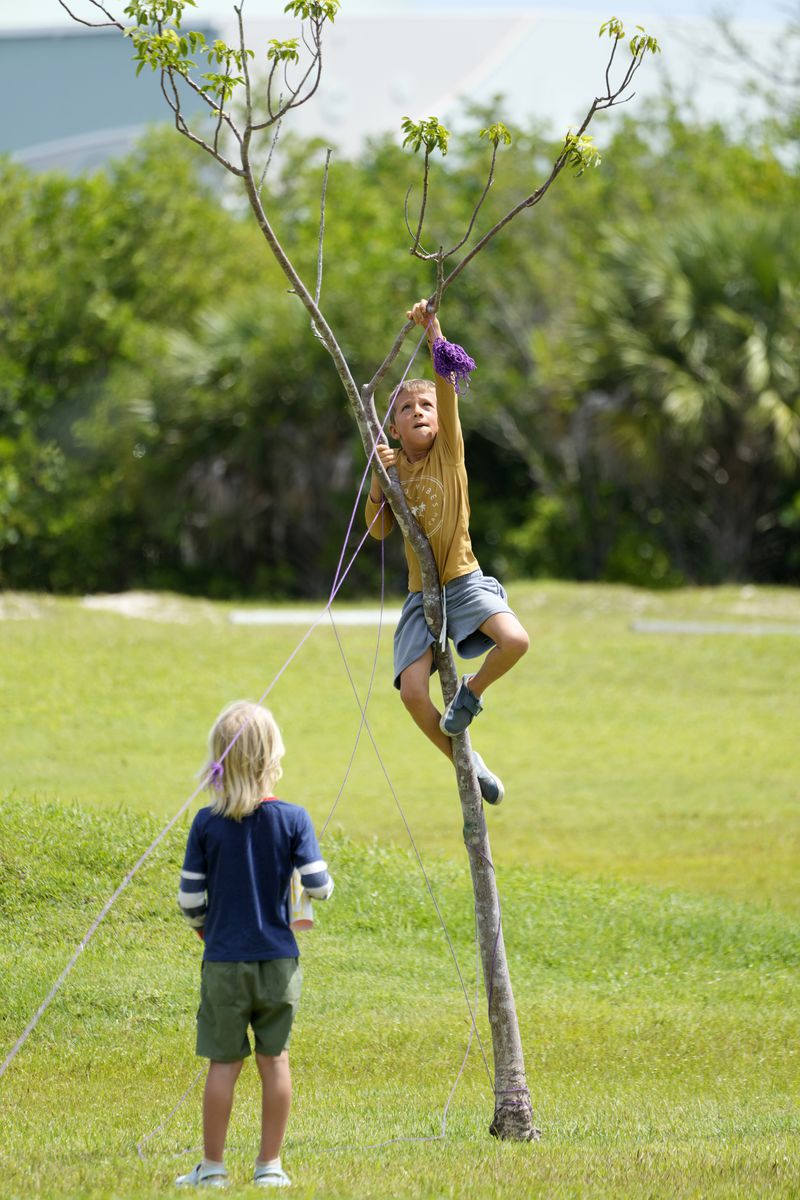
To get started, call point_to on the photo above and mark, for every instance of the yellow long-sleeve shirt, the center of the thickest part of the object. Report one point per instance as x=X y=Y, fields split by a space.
x=437 y=493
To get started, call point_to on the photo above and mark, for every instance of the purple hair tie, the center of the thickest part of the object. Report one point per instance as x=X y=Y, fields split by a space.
x=215 y=772
x=452 y=361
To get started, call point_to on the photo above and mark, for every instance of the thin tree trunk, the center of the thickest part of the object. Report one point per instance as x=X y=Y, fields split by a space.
x=513 y=1114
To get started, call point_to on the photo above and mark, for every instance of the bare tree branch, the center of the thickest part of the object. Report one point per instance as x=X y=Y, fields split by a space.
x=273 y=144
x=294 y=102
x=478 y=206
x=248 y=92
x=174 y=102
x=110 y=23
x=221 y=112
x=410 y=231
x=424 y=203
x=617 y=41
x=328 y=154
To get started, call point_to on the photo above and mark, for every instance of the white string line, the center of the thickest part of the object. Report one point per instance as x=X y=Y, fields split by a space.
x=417 y=854
x=442 y=1134
x=87 y=937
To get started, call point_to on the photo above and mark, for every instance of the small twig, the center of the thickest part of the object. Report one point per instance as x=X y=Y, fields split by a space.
x=221 y=113
x=206 y=99
x=424 y=204
x=94 y=24
x=248 y=92
x=328 y=154
x=433 y=304
x=294 y=102
x=617 y=41
x=410 y=231
x=275 y=137
x=272 y=117
x=180 y=124
x=311 y=49
x=478 y=206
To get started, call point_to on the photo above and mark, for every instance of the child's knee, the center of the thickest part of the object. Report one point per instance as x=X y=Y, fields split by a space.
x=516 y=641
x=414 y=689
x=523 y=642
x=270 y=1064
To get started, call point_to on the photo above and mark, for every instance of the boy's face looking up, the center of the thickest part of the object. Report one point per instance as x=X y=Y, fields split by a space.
x=415 y=421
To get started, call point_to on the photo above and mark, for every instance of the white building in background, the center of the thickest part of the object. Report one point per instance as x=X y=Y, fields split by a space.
x=77 y=99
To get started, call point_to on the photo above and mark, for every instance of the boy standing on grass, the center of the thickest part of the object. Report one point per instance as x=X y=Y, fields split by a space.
x=234 y=892
x=432 y=473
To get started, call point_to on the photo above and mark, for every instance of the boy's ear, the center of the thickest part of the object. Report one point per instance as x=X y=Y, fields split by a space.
x=393 y=431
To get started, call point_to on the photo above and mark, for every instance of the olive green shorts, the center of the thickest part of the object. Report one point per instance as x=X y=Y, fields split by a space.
x=235 y=995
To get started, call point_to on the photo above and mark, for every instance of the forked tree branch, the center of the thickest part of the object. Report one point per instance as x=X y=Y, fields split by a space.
x=423 y=205
x=612 y=98
x=478 y=206
x=321 y=238
x=111 y=23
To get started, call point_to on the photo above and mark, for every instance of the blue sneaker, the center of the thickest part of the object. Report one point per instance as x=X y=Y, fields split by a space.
x=459 y=713
x=491 y=786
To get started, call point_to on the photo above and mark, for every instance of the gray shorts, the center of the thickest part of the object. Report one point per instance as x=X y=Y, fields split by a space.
x=470 y=600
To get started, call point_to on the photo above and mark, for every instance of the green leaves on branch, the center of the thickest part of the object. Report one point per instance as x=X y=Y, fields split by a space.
x=158 y=13
x=428 y=133
x=313 y=10
x=581 y=152
x=170 y=50
x=283 y=51
x=497 y=134
x=644 y=43
x=641 y=43
x=159 y=44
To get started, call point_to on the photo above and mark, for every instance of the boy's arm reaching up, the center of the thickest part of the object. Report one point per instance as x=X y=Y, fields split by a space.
x=446 y=396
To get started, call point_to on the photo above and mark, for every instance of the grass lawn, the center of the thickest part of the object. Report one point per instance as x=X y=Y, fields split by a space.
x=647 y=858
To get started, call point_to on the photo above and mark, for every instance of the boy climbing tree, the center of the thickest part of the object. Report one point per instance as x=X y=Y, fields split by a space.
x=476 y=616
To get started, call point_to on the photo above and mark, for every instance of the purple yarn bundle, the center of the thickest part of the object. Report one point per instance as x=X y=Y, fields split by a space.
x=452 y=361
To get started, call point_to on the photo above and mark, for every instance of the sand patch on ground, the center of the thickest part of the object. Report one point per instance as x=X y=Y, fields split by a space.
x=154 y=606
x=170 y=609
x=16 y=606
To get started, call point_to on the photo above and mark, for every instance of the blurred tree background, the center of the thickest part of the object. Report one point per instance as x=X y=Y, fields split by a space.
x=168 y=421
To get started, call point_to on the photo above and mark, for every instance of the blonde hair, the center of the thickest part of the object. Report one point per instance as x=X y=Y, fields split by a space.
x=246 y=749
x=413 y=386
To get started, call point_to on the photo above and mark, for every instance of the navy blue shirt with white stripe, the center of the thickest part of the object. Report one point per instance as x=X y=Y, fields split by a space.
x=236 y=875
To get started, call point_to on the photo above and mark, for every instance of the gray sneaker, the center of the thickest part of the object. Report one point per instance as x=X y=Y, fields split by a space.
x=491 y=786
x=459 y=713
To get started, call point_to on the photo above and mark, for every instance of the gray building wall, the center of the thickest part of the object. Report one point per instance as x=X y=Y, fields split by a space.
x=76 y=97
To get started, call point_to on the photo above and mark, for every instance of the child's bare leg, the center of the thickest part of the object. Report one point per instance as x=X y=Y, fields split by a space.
x=276 y=1100
x=510 y=643
x=415 y=692
x=217 y=1105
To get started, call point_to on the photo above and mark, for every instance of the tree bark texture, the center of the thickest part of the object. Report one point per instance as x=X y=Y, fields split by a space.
x=513 y=1114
